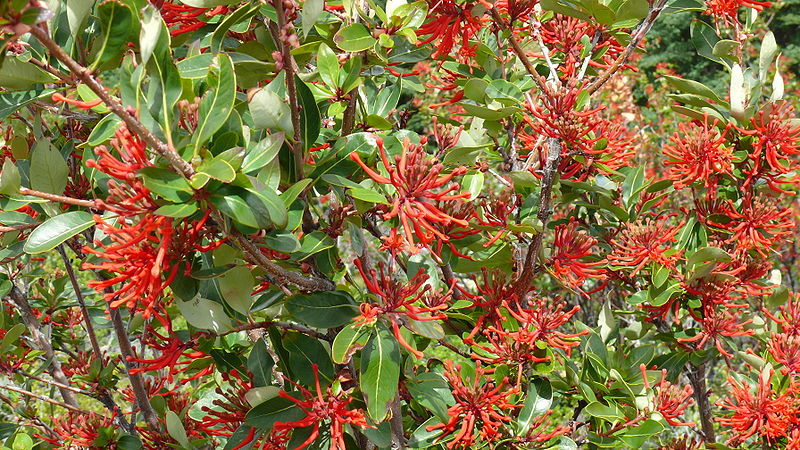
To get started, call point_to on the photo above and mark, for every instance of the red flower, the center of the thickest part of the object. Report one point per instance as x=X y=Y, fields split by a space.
x=715 y=325
x=789 y=319
x=229 y=412
x=171 y=349
x=777 y=140
x=670 y=401
x=448 y=20
x=416 y=177
x=479 y=403
x=495 y=289
x=643 y=241
x=763 y=412
x=185 y=17
x=397 y=301
x=81 y=430
x=540 y=321
x=728 y=10
x=759 y=226
x=697 y=152
x=563 y=36
x=785 y=348
x=146 y=250
x=571 y=248
x=537 y=434
x=321 y=407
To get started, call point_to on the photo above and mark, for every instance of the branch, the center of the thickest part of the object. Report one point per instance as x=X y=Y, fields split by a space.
x=548 y=178
x=284 y=325
x=58 y=198
x=538 y=79
x=42 y=398
x=87 y=320
x=636 y=39
x=43 y=343
x=697 y=376
x=21 y=227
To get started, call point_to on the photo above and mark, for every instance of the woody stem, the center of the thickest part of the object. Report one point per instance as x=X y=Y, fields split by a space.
x=697 y=376
x=58 y=198
x=42 y=398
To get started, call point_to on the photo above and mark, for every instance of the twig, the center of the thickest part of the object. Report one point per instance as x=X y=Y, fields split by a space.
x=87 y=320
x=548 y=178
x=636 y=39
x=284 y=325
x=697 y=376
x=349 y=118
x=538 y=79
x=42 y=398
x=54 y=383
x=58 y=198
x=50 y=69
x=42 y=343
x=21 y=227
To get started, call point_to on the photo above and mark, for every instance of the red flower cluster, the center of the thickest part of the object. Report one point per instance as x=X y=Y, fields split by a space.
x=759 y=225
x=727 y=11
x=697 y=151
x=82 y=430
x=398 y=301
x=144 y=246
x=717 y=323
x=230 y=411
x=641 y=242
x=784 y=346
x=571 y=248
x=416 y=177
x=448 y=20
x=323 y=406
x=540 y=321
x=186 y=18
x=670 y=400
x=171 y=349
x=766 y=413
x=479 y=403
x=776 y=145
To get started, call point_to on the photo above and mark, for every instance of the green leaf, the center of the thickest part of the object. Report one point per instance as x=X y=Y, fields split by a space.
x=21 y=75
x=11 y=102
x=422 y=438
x=368 y=195
x=769 y=48
x=537 y=402
x=738 y=92
x=632 y=9
x=12 y=335
x=328 y=65
x=704 y=38
x=195 y=67
x=312 y=9
x=77 y=11
x=706 y=254
x=354 y=38
x=503 y=91
x=432 y=392
x=290 y=195
x=313 y=243
x=150 y=34
x=305 y=351
x=636 y=436
x=309 y=114
x=166 y=184
x=217 y=103
x=322 y=309
x=235 y=286
x=176 y=430
x=218 y=169
x=260 y=364
x=177 y=210
x=610 y=412
x=380 y=372
x=56 y=230
x=10 y=179
x=263 y=152
x=245 y=13
x=273 y=206
x=49 y=171
x=692 y=87
x=270 y=111
x=349 y=340
x=117 y=21
x=282 y=241
x=104 y=130
x=205 y=314
x=276 y=409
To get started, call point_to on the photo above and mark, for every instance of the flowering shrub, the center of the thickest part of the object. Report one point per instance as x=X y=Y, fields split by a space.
x=271 y=224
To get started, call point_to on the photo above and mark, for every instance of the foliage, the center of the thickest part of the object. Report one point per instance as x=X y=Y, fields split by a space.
x=245 y=224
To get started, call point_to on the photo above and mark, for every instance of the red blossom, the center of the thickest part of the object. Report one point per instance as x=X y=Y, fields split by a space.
x=398 y=301
x=571 y=248
x=480 y=403
x=776 y=142
x=323 y=406
x=727 y=11
x=186 y=18
x=763 y=412
x=670 y=400
x=447 y=21
x=416 y=177
x=641 y=242
x=716 y=323
x=171 y=349
x=540 y=321
x=697 y=152
x=228 y=413
x=785 y=348
x=495 y=289
x=759 y=224
x=81 y=431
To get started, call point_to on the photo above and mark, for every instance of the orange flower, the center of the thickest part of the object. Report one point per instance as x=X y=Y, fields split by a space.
x=697 y=152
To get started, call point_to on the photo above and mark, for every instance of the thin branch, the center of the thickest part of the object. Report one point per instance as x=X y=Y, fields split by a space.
x=548 y=178
x=283 y=325
x=54 y=383
x=349 y=118
x=50 y=69
x=58 y=198
x=42 y=398
x=87 y=320
x=42 y=343
x=697 y=376
x=636 y=39
x=538 y=79
x=21 y=227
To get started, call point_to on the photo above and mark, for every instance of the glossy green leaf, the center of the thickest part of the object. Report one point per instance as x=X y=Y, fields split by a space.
x=769 y=48
x=77 y=11
x=311 y=11
x=611 y=412
x=17 y=75
x=537 y=402
x=349 y=340
x=235 y=286
x=271 y=203
x=328 y=65
x=205 y=314
x=166 y=184
x=117 y=21
x=276 y=409
x=368 y=195
x=309 y=114
x=218 y=169
x=260 y=364
x=380 y=372
x=312 y=243
x=176 y=430
x=305 y=351
x=263 y=152
x=217 y=103
x=635 y=437
x=354 y=38
x=10 y=179
x=270 y=111
x=177 y=210
x=11 y=337
x=432 y=392
x=230 y=20
x=290 y=195
x=322 y=309
x=56 y=230
x=49 y=171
